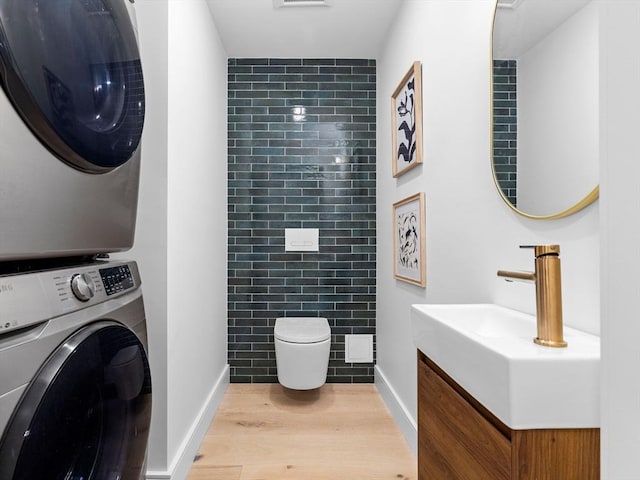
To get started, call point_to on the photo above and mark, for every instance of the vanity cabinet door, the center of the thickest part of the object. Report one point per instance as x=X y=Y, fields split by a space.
x=567 y=454
x=455 y=442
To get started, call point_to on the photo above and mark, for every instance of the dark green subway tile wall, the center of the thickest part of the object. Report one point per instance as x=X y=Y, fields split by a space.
x=302 y=154
x=505 y=126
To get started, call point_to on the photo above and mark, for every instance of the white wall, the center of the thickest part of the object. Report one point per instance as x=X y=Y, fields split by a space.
x=180 y=240
x=558 y=116
x=471 y=233
x=620 y=204
x=197 y=215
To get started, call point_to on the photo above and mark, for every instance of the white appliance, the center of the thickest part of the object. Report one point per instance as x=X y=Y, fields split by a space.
x=75 y=386
x=71 y=117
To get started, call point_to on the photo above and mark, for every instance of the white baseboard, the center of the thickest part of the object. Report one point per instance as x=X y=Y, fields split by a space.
x=183 y=459
x=403 y=418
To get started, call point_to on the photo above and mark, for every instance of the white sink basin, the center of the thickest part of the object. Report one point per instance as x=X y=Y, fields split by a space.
x=489 y=351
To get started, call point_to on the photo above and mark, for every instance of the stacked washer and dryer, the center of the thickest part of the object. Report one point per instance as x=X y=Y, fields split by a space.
x=75 y=385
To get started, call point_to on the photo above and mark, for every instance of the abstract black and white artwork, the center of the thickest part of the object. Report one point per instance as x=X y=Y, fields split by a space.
x=409 y=240
x=406 y=114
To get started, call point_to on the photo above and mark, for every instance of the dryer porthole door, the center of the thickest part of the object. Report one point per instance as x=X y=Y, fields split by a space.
x=86 y=413
x=71 y=69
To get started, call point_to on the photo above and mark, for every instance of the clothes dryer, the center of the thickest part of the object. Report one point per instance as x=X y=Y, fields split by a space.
x=71 y=116
x=75 y=385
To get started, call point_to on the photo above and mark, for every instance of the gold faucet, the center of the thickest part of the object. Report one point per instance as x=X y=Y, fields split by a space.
x=548 y=293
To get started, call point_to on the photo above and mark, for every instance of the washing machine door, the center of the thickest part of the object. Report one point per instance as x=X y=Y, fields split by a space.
x=86 y=414
x=71 y=69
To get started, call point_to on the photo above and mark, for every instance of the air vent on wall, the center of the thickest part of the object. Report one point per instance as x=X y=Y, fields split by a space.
x=301 y=3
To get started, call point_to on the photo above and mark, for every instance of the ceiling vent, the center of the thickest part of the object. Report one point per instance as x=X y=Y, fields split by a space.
x=301 y=3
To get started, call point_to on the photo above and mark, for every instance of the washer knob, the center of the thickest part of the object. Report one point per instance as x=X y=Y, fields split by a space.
x=82 y=287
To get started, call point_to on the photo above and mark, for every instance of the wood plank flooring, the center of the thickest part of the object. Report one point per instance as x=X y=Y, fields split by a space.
x=267 y=432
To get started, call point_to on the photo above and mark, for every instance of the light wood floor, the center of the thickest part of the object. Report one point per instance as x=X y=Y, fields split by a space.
x=266 y=432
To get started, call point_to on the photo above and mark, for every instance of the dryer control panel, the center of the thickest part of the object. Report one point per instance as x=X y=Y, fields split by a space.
x=31 y=298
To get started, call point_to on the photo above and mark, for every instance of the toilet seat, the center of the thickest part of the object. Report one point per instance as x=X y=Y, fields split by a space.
x=302 y=329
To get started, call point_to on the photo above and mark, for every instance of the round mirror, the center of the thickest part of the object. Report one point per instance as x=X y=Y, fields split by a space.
x=545 y=125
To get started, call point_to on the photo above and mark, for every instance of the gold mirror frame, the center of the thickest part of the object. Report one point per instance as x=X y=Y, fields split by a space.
x=585 y=202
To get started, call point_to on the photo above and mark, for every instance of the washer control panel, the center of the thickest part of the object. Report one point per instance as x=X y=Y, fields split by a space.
x=83 y=287
x=32 y=298
x=116 y=279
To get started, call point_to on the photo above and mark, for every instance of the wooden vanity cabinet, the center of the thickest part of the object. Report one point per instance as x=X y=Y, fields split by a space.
x=459 y=439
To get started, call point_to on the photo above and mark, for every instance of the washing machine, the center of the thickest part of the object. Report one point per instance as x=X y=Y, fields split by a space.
x=71 y=117
x=75 y=385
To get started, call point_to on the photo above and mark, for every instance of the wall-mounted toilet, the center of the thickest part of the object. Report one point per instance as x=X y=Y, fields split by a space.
x=302 y=351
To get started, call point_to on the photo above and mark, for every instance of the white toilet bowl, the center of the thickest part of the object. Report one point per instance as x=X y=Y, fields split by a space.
x=302 y=351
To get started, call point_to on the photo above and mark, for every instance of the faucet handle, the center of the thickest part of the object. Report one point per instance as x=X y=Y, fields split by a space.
x=540 y=250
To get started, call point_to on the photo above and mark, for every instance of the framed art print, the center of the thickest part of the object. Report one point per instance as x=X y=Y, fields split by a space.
x=409 y=253
x=406 y=121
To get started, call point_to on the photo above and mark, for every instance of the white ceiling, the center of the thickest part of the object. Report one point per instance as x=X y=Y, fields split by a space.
x=345 y=29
